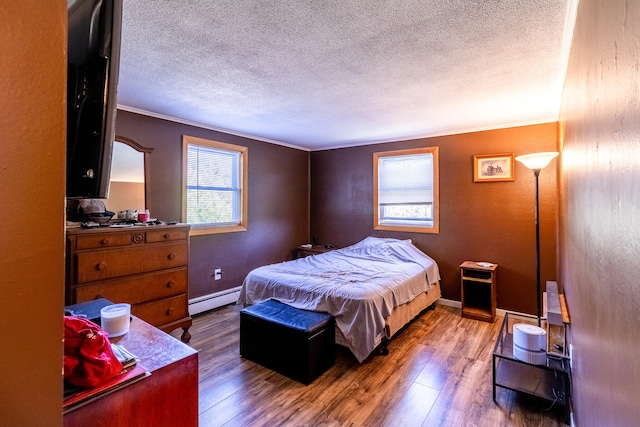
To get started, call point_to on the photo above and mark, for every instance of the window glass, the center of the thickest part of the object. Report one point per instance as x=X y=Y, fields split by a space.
x=214 y=188
x=406 y=190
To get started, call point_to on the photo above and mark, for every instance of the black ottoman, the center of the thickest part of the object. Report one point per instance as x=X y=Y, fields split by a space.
x=297 y=343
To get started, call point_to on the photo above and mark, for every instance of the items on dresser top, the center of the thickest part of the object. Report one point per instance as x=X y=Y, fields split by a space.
x=94 y=210
x=146 y=267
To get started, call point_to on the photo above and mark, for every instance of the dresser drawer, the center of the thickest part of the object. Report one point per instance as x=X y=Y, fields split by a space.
x=136 y=289
x=167 y=235
x=92 y=241
x=162 y=311
x=109 y=264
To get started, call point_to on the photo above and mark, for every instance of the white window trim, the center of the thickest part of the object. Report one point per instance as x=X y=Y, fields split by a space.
x=199 y=229
x=436 y=192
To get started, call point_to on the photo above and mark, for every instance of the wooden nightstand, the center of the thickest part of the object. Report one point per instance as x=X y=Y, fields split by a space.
x=301 y=252
x=478 y=291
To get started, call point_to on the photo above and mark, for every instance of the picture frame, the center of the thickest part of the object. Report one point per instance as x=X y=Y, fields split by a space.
x=494 y=167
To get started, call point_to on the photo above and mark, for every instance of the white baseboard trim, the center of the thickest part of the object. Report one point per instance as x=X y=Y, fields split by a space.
x=499 y=311
x=214 y=300
x=228 y=296
x=449 y=303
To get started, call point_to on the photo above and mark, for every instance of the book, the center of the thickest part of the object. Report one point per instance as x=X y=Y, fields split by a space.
x=125 y=357
x=90 y=310
x=75 y=397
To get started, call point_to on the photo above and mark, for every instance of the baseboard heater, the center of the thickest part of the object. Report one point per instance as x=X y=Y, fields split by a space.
x=214 y=300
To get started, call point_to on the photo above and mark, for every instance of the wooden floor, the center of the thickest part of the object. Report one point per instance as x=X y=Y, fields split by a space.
x=438 y=373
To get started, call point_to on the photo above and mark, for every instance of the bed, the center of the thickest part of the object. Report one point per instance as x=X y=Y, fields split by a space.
x=372 y=288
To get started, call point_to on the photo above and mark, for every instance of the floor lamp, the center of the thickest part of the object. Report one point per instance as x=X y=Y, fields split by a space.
x=536 y=162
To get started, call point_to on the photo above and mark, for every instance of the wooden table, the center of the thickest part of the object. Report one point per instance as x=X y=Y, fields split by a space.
x=550 y=381
x=301 y=252
x=169 y=396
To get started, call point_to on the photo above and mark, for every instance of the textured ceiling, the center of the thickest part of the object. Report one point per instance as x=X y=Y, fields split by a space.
x=334 y=73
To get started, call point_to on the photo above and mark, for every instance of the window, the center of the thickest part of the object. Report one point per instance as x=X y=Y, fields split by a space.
x=406 y=190
x=214 y=193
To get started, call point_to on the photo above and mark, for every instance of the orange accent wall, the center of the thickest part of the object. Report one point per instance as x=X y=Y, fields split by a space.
x=32 y=174
x=599 y=235
x=487 y=221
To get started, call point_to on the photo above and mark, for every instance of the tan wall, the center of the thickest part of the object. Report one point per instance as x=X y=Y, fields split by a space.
x=125 y=195
x=600 y=211
x=32 y=151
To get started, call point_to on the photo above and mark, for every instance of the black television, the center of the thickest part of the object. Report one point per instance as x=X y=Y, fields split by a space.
x=93 y=63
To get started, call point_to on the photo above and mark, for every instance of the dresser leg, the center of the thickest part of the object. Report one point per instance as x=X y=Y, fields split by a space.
x=186 y=336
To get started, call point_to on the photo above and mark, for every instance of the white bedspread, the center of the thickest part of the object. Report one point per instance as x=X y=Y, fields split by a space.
x=359 y=285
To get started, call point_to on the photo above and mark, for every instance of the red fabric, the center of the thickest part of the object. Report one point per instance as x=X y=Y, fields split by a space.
x=88 y=358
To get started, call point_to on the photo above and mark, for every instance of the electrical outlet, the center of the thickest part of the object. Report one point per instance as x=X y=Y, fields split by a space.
x=217 y=274
x=571 y=356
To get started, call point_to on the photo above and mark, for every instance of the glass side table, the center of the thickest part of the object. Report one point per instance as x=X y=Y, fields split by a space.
x=550 y=382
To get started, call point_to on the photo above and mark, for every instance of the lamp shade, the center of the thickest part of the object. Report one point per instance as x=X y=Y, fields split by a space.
x=537 y=160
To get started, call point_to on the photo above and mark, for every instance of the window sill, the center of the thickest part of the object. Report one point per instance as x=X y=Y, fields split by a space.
x=201 y=230
x=407 y=229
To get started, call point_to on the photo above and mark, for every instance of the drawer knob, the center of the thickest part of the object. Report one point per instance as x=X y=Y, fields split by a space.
x=137 y=238
x=172 y=255
x=101 y=266
x=171 y=283
x=170 y=311
x=104 y=241
x=167 y=235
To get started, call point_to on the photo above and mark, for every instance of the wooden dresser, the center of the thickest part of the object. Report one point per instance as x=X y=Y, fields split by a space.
x=146 y=267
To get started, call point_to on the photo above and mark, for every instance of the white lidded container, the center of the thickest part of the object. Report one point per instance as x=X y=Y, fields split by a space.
x=115 y=319
x=530 y=343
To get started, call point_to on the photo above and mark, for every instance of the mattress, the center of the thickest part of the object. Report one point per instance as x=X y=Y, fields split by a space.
x=360 y=285
x=403 y=314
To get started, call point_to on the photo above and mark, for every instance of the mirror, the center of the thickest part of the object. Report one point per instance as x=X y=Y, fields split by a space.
x=129 y=185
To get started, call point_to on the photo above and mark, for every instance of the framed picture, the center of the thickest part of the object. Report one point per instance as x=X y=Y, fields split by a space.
x=494 y=167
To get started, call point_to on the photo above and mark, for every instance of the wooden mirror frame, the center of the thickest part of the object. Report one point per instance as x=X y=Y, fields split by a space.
x=146 y=151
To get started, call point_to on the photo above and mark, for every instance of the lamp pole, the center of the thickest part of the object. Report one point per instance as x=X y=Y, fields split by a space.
x=536 y=173
x=536 y=162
